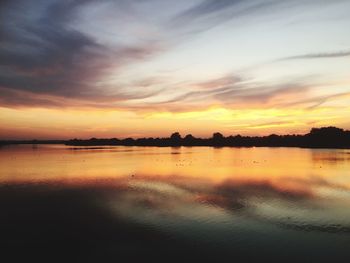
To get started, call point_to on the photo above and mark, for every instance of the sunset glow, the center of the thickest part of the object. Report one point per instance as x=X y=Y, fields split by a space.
x=81 y=69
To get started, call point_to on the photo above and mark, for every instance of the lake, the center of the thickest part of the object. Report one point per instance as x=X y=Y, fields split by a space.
x=104 y=204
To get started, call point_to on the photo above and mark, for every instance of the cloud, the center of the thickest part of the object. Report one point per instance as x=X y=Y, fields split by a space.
x=13 y=98
x=48 y=60
x=42 y=54
x=209 y=13
x=235 y=91
x=208 y=7
x=338 y=54
x=314 y=102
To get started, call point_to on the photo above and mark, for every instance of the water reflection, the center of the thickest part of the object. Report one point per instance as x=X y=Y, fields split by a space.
x=203 y=203
x=334 y=157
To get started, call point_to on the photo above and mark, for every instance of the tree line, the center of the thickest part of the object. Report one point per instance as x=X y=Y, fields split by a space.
x=325 y=137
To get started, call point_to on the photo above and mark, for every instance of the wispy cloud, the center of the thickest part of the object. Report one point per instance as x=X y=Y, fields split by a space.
x=338 y=54
x=46 y=60
x=210 y=13
x=42 y=54
x=235 y=91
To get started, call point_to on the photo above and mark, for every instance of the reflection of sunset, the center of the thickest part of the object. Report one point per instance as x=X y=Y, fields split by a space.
x=193 y=193
x=286 y=170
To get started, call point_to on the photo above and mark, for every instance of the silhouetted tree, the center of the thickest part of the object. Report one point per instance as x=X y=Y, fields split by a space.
x=327 y=137
x=189 y=137
x=189 y=140
x=328 y=131
x=175 y=139
x=218 y=138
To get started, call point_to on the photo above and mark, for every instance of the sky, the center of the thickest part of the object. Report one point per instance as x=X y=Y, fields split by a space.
x=140 y=68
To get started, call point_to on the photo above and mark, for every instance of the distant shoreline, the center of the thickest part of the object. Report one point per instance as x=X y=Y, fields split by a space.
x=102 y=146
x=325 y=137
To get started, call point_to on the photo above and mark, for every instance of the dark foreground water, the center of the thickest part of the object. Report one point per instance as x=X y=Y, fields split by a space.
x=122 y=204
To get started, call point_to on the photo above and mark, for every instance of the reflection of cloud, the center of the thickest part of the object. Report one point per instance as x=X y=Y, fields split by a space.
x=108 y=220
x=263 y=189
x=317 y=181
x=168 y=196
x=231 y=194
x=236 y=195
x=245 y=197
x=331 y=228
x=288 y=223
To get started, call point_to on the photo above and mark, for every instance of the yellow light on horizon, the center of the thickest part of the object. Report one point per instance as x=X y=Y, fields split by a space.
x=85 y=123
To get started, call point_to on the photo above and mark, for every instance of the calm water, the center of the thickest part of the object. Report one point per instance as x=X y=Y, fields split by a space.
x=174 y=204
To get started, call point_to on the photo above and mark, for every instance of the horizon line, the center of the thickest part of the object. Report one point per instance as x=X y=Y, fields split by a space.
x=188 y=134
